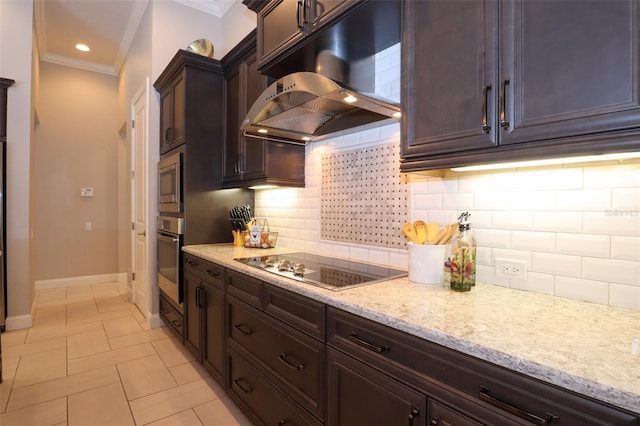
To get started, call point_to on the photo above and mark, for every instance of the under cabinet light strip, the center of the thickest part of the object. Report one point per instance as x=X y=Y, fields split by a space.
x=548 y=162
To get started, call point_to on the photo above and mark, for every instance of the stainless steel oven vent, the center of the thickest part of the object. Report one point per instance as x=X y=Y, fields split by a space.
x=305 y=106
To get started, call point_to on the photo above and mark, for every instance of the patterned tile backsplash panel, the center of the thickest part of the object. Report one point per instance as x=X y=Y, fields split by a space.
x=363 y=198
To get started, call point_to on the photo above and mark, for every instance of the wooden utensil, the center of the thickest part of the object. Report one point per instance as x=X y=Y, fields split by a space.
x=409 y=232
x=447 y=234
x=420 y=228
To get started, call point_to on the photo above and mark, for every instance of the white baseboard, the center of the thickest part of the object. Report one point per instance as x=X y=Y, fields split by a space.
x=155 y=321
x=83 y=280
x=18 y=322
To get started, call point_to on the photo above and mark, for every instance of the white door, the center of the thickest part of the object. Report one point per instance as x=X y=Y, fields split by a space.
x=139 y=234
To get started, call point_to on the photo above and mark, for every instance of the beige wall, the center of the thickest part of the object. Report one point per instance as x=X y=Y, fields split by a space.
x=236 y=24
x=15 y=63
x=76 y=145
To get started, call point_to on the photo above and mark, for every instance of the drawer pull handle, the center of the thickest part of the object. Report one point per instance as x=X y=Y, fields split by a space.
x=213 y=274
x=191 y=263
x=282 y=422
x=504 y=123
x=485 y=93
x=242 y=388
x=176 y=323
x=413 y=415
x=293 y=365
x=243 y=329
x=164 y=311
x=379 y=349
x=537 y=420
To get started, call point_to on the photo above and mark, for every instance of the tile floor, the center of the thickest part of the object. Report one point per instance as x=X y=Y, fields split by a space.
x=90 y=360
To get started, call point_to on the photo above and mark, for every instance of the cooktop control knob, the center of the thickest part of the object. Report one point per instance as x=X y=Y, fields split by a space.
x=285 y=265
x=299 y=270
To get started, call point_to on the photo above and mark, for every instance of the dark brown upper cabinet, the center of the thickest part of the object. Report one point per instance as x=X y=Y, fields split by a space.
x=487 y=81
x=250 y=161
x=283 y=23
x=190 y=90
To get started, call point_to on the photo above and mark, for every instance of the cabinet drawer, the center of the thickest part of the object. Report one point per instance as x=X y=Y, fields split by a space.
x=172 y=318
x=305 y=314
x=425 y=364
x=294 y=361
x=245 y=288
x=208 y=271
x=266 y=403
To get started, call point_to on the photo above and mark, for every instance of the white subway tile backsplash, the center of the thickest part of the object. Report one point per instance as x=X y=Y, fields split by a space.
x=427 y=201
x=557 y=221
x=442 y=185
x=584 y=245
x=581 y=289
x=558 y=179
x=614 y=271
x=598 y=200
x=513 y=181
x=626 y=200
x=539 y=283
x=533 y=241
x=611 y=223
x=495 y=238
x=625 y=296
x=512 y=219
x=457 y=201
x=475 y=183
x=620 y=176
x=557 y=264
x=578 y=228
x=625 y=248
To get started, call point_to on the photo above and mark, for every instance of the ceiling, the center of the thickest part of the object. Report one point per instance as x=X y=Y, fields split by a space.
x=107 y=26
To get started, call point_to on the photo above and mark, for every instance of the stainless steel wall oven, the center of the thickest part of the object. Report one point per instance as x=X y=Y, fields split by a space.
x=169 y=238
x=170 y=184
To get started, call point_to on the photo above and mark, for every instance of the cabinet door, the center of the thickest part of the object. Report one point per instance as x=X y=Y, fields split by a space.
x=166 y=120
x=569 y=68
x=193 y=329
x=360 y=395
x=280 y=24
x=449 y=67
x=213 y=357
x=232 y=127
x=178 y=133
x=254 y=149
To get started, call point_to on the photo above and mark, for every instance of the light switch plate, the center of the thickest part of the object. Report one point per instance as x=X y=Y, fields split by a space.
x=86 y=192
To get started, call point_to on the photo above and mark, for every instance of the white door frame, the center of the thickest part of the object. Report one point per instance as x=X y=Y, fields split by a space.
x=144 y=91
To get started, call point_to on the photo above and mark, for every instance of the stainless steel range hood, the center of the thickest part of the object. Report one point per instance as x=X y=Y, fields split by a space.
x=306 y=106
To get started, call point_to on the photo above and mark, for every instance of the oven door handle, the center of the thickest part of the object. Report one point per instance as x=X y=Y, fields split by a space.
x=167 y=239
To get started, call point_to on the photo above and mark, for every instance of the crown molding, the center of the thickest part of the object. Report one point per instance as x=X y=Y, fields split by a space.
x=133 y=23
x=213 y=7
x=76 y=63
x=39 y=21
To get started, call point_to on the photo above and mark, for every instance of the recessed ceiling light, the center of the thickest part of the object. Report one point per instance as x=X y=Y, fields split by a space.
x=350 y=99
x=306 y=138
x=397 y=114
x=263 y=131
x=82 y=47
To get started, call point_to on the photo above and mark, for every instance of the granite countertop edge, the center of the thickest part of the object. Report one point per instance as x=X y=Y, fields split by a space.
x=224 y=254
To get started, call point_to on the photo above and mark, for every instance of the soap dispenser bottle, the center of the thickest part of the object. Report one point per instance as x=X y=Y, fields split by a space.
x=463 y=256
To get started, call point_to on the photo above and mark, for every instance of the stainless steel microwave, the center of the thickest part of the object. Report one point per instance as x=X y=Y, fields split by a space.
x=170 y=184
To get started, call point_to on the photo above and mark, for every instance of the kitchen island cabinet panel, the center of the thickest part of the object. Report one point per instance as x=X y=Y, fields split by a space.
x=538 y=80
x=245 y=288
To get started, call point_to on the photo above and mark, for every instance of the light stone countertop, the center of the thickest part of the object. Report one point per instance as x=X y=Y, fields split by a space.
x=585 y=347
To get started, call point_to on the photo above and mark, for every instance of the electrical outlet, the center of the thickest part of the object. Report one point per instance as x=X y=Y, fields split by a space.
x=511 y=268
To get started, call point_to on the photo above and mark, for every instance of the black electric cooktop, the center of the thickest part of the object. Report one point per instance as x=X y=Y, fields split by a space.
x=327 y=272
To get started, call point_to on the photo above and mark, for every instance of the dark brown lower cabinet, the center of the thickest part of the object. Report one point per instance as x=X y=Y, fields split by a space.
x=263 y=403
x=293 y=361
x=360 y=395
x=443 y=415
x=204 y=305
